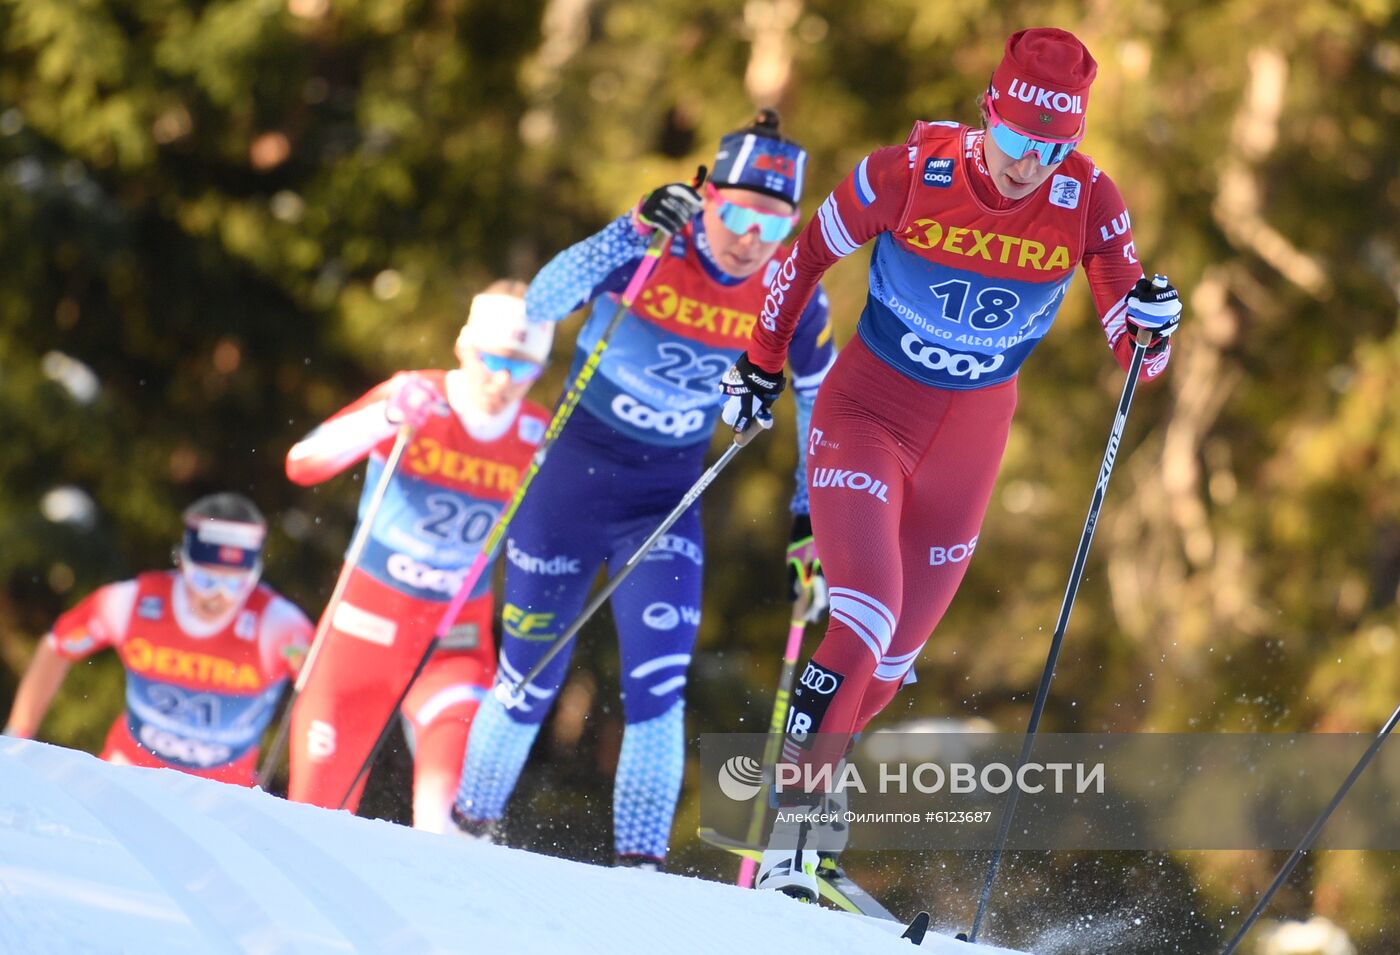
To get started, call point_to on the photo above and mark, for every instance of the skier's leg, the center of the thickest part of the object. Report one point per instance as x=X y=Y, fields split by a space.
x=553 y=550
x=657 y=610
x=439 y=712
x=856 y=469
x=947 y=499
x=501 y=735
x=865 y=575
x=369 y=654
x=856 y=479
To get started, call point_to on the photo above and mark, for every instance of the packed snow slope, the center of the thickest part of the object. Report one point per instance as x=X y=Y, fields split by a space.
x=100 y=858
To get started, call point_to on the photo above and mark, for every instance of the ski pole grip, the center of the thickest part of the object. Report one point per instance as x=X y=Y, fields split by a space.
x=1144 y=336
x=755 y=428
x=701 y=174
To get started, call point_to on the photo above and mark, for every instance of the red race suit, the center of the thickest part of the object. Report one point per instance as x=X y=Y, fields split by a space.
x=910 y=425
x=198 y=695
x=452 y=482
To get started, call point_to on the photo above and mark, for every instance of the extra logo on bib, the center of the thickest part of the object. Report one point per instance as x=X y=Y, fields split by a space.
x=938 y=173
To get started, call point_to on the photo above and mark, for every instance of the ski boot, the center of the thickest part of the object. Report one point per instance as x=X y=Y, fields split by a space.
x=645 y=863
x=477 y=830
x=788 y=865
x=830 y=834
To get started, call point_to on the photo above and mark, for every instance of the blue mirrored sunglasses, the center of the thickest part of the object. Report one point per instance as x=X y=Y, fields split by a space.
x=521 y=369
x=741 y=219
x=1016 y=144
x=205 y=582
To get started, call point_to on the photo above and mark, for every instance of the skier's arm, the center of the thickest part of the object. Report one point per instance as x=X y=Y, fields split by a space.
x=1111 y=263
x=601 y=263
x=343 y=439
x=37 y=689
x=872 y=199
x=97 y=622
x=284 y=637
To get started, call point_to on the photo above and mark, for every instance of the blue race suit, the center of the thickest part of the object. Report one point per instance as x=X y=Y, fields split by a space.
x=633 y=447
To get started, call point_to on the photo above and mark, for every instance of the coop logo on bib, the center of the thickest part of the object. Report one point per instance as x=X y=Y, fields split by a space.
x=955 y=364
x=677 y=424
x=178 y=749
x=405 y=569
x=938 y=172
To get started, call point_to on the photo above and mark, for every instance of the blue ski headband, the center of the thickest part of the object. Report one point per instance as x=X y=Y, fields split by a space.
x=773 y=167
x=223 y=543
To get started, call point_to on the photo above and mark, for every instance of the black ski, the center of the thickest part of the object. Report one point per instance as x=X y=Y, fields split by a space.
x=917 y=929
x=839 y=890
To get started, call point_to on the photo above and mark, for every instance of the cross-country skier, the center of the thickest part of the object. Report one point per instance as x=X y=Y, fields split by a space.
x=977 y=234
x=633 y=447
x=207 y=650
x=473 y=437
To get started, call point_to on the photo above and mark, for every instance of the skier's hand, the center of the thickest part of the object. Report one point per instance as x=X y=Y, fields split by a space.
x=669 y=208
x=804 y=570
x=1154 y=311
x=414 y=402
x=295 y=656
x=506 y=693
x=751 y=392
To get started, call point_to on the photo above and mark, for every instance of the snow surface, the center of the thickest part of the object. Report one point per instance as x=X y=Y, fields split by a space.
x=96 y=858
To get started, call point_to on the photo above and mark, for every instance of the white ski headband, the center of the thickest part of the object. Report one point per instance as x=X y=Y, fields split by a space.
x=497 y=324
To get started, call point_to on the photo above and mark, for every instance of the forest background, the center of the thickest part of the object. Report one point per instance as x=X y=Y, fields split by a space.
x=220 y=221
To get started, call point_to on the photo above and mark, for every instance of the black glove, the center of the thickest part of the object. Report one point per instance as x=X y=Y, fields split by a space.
x=804 y=569
x=670 y=207
x=1155 y=307
x=751 y=392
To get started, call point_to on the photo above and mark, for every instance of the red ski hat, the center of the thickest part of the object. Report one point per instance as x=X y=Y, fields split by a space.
x=1042 y=82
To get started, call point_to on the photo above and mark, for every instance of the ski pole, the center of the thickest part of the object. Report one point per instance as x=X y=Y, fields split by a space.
x=1042 y=692
x=776 y=723
x=561 y=414
x=510 y=694
x=1313 y=832
x=323 y=626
